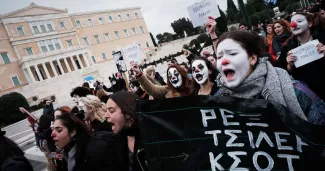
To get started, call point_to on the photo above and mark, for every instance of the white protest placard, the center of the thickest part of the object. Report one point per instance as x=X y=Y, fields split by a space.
x=133 y=53
x=199 y=12
x=306 y=53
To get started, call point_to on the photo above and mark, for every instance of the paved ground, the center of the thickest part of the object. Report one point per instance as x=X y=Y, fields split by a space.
x=23 y=135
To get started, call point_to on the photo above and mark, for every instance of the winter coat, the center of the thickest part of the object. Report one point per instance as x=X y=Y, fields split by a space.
x=16 y=163
x=309 y=73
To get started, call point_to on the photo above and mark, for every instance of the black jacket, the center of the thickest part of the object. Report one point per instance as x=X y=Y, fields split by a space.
x=104 y=152
x=101 y=126
x=310 y=73
x=17 y=163
x=44 y=131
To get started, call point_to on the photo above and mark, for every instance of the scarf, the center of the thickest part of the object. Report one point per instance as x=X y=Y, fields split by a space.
x=279 y=41
x=271 y=83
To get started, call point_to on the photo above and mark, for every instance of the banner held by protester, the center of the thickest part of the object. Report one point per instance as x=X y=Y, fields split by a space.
x=133 y=53
x=119 y=61
x=224 y=133
x=199 y=12
x=306 y=53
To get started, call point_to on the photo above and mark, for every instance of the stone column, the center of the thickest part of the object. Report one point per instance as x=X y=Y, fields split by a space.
x=67 y=65
x=38 y=73
x=80 y=63
x=86 y=58
x=61 y=68
x=74 y=63
x=53 y=69
x=31 y=74
x=46 y=71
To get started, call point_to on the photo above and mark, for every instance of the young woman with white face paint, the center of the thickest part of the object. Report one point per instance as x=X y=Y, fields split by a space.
x=94 y=112
x=306 y=27
x=178 y=83
x=204 y=74
x=244 y=74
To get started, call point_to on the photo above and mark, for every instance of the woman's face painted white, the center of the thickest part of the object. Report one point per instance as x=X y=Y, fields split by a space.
x=133 y=88
x=302 y=24
x=200 y=71
x=175 y=77
x=233 y=62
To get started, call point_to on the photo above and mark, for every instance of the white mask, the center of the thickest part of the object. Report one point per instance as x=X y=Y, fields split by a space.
x=302 y=24
x=200 y=71
x=233 y=62
x=83 y=107
x=175 y=77
x=133 y=88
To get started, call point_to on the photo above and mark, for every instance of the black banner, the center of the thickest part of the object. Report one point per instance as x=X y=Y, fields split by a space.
x=223 y=133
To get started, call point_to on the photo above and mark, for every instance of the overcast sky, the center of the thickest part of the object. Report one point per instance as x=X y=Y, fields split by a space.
x=158 y=14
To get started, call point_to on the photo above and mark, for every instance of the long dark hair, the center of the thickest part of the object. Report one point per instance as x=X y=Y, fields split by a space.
x=187 y=87
x=80 y=139
x=213 y=74
x=8 y=148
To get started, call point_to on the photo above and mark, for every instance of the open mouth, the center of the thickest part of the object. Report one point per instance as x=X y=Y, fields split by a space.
x=56 y=142
x=229 y=73
x=174 y=81
x=295 y=29
x=199 y=77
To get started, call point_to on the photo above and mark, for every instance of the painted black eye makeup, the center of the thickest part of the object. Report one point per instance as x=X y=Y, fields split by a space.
x=200 y=66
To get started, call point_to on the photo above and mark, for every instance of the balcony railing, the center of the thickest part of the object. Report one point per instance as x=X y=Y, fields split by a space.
x=54 y=52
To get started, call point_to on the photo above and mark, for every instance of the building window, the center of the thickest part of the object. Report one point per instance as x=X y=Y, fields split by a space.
x=142 y=30
x=147 y=43
x=101 y=21
x=107 y=37
x=97 y=39
x=44 y=49
x=116 y=34
x=62 y=25
x=70 y=43
x=35 y=29
x=86 y=41
x=29 y=51
x=104 y=56
x=78 y=24
x=49 y=26
x=110 y=19
x=126 y=32
x=20 y=30
x=128 y=15
x=57 y=43
x=5 y=58
x=43 y=28
x=90 y=23
x=134 y=31
x=15 y=80
x=93 y=58
x=119 y=17
x=51 y=47
x=136 y=15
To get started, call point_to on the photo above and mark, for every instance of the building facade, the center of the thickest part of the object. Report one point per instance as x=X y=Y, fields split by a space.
x=43 y=47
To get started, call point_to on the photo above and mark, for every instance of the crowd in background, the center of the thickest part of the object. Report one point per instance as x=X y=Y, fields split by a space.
x=101 y=132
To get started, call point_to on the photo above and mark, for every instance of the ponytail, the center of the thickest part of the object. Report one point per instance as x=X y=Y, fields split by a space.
x=318 y=22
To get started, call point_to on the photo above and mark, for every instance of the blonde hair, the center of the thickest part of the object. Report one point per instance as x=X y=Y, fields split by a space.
x=94 y=103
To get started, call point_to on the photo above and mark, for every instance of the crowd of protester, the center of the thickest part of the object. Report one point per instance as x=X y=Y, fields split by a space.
x=101 y=131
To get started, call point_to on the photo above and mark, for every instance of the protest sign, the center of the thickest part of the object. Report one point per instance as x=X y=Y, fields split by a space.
x=199 y=12
x=119 y=61
x=225 y=133
x=133 y=53
x=306 y=53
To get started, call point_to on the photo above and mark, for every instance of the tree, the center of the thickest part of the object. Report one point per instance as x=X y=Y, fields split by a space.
x=203 y=38
x=160 y=38
x=153 y=40
x=254 y=19
x=231 y=10
x=183 y=25
x=250 y=8
x=222 y=22
x=168 y=37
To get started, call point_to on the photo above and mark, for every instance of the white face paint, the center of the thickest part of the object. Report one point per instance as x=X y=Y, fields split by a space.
x=232 y=62
x=200 y=71
x=133 y=88
x=83 y=107
x=174 y=77
x=302 y=24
